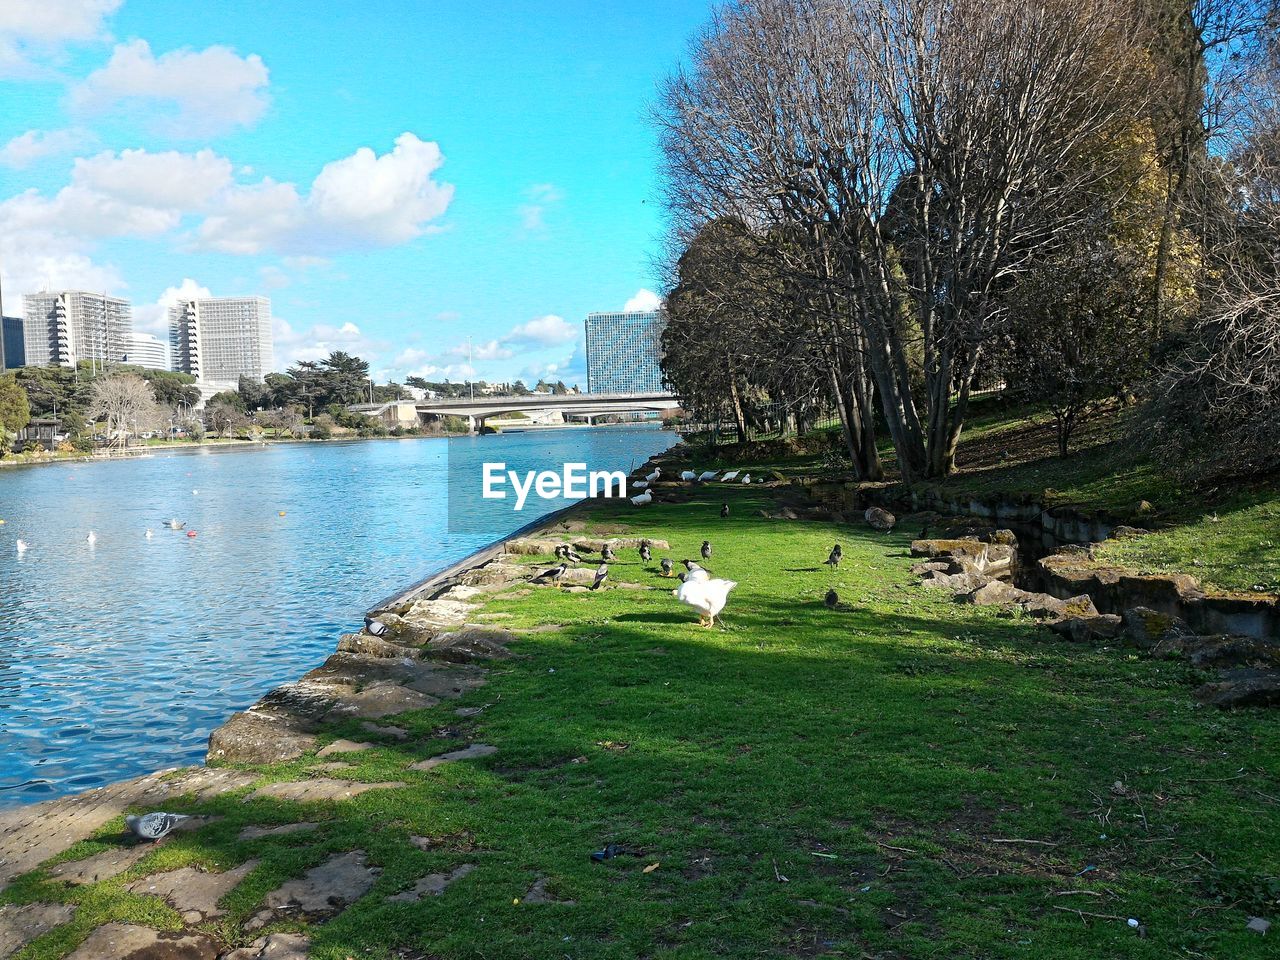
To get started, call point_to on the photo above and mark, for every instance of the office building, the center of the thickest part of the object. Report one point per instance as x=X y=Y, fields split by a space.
x=146 y=351
x=623 y=351
x=68 y=326
x=13 y=352
x=218 y=340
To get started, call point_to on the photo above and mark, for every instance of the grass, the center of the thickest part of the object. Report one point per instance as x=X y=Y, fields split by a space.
x=931 y=780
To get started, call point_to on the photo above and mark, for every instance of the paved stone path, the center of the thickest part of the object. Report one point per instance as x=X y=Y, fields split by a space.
x=194 y=893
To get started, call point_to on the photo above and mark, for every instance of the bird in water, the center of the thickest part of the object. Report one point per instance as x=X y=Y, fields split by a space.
x=91 y=539
x=22 y=546
x=724 y=511
x=153 y=826
x=554 y=575
x=834 y=557
x=175 y=524
x=708 y=597
x=666 y=566
x=832 y=599
x=607 y=554
x=602 y=574
x=645 y=553
x=148 y=534
x=706 y=549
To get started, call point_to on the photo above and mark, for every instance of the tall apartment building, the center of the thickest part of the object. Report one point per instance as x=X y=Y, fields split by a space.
x=13 y=352
x=65 y=327
x=218 y=340
x=623 y=350
x=146 y=351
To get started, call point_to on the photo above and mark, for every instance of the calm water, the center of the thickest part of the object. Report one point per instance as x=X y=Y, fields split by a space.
x=119 y=658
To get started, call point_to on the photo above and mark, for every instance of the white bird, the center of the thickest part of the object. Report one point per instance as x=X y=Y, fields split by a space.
x=148 y=534
x=639 y=484
x=652 y=477
x=747 y=478
x=688 y=475
x=153 y=826
x=91 y=539
x=195 y=493
x=708 y=597
x=644 y=498
x=22 y=546
x=708 y=475
x=729 y=477
x=174 y=524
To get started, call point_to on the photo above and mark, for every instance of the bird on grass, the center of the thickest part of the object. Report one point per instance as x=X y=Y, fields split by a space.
x=602 y=574
x=639 y=484
x=566 y=552
x=832 y=599
x=707 y=475
x=706 y=549
x=694 y=571
x=607 y=554
x=724 y=511
x=708 y=597
x=644 y=499
x=153 y=826
x=747 y=478
x=666 y=566
x=834 y=557
x=729 y=477
x=688 y=475
x=645 y=553
x=554 y=575
x=653 y=477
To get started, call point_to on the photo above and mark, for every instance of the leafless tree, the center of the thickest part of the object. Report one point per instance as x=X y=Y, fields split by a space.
x=126 y=403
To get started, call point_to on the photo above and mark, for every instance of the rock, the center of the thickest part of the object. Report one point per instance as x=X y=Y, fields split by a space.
x=127 y=941
x=385 y=729
x=473 y=643
x=371 y=646
x=317 y=789
x=1228 y=649
x=100 y=866
x=253 y=833
x=192 y=892
x=321 y=891
x=996 y=593
x=1258 y=925
x=19 y=925
x=472 y=752
x=432 y=885
x=343 y=746
x=1147 y=627
x=1005 y=538
x=259 y=738
x=403 y=632
x=278 y=946
x=1124 y=532
x=879 y=519
x=931 y=566
x=1105 y=626
x=957 y=583
x=538 y=894
x=1242 y=688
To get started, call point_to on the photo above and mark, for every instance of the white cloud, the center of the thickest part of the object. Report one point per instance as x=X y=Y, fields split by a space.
x=643 y=301
x=318 y=341
x=26 y=148
x=539 y=198
x=547 y=331
x=205 y=91
x=33 y=30
x=360 y=200
x=171 y=180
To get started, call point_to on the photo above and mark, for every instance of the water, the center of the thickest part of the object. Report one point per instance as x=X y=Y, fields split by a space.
x=119 y=658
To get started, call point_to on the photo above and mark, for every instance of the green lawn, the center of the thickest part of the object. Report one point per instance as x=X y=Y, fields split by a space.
x=904 y=777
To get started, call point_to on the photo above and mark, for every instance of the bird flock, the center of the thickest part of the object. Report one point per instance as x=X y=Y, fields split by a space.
x=645 y=484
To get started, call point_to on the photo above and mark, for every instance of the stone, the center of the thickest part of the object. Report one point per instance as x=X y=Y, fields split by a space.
x=317 y=789
x=127 y=941
x=1258 y=925
x=1242 y=688
x=472 y=643
x=343 y=746
x=253 y=833
x=1147 y=627
x=1043 y=605
x=371 y=646
x=957 y=583
x=472 y=752
x=1105 y=626
x=1124 y=532
x=333 y=766
x=1003 y=537
x=320 y=892
x=194 y=893
x=19 y=925
x=278 y=946
x=385 y=729
x=931 y=566
x=879 y=518
x=538 y=894
x=101 y=866
x=997 y=593
x=259 y=738
x=432 y=885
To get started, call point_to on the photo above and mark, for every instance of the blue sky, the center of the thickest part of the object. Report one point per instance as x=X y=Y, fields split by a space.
x=397 y=176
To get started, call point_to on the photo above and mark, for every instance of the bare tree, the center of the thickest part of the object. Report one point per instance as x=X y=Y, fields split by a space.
x=126 y=403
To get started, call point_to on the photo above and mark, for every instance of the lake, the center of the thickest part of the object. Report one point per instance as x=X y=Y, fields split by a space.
x=119 y=657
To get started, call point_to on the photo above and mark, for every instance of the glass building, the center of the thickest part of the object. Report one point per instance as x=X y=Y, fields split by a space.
x=623 y=350
x=13 y=351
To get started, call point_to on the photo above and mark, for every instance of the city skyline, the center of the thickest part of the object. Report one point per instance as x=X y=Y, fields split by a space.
x=388 y=211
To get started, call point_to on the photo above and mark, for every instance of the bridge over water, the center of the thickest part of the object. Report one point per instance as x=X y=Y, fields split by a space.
x=479 y=409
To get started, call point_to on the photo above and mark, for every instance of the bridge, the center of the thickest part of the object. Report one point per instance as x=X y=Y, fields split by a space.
x=477 y=410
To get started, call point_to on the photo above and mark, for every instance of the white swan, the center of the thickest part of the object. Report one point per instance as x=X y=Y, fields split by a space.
x=643 y=499
x=708 y=597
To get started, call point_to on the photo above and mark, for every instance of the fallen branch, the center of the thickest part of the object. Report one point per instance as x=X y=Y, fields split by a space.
x=1042 y=843
x=1085 y=913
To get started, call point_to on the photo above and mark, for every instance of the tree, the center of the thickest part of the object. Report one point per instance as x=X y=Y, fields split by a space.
x=125 y=402
x=15 y=411
x=227 y=398
x=224 y=418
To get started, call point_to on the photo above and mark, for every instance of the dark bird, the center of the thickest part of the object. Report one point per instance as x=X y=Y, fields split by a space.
x=835 y=556
x=924 y=533
x=645 y=554
x=691 y=565
x=602 y=574
x=706 y=549
x=607 y=553
x=724 y=510
x=572 y=555
x=666 y=566
x=832 y=600
x=554 y=575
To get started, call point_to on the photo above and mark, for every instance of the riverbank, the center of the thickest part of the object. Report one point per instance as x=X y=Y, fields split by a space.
x=898 y=776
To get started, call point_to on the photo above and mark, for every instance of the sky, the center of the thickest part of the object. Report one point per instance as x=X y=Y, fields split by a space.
x=398 y=176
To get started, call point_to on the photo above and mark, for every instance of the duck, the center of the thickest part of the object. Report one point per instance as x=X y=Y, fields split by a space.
x=731 y=476
x=644 y=499
x=707 y=475
x=708 y=597
x=175 y=524
x=747 y=478
x=639 y=484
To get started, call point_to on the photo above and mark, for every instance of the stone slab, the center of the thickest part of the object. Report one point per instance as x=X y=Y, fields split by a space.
x=320 y=788
x=193 y=892
x=343 y=746
x=320 y=892
x=432 y=885
x=253 y=833
x=126 y=941
x=19 y=925
x=472 y=752
x=278 y=946
x=101 y=866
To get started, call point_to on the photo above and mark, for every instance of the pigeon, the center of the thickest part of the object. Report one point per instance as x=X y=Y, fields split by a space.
x=643 y=499
x=706 y=549
x=834 y=557
x=724 y=511
x=606 y=552
x=729 y=477
x=22 y=546
x=153 y=826
x=666 y=566
x=554 y=575
x=653 y=477
x=91 y=539
x=708 y=597
x=832 y=599
x=707 y=475
x=645 y=553
x=602 y=574
x=688 y=475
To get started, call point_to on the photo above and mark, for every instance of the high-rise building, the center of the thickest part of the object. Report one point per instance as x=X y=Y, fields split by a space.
x=13 y=352
x=67 y=326
x=623 y=350
x=218 y=340
x=146 y=351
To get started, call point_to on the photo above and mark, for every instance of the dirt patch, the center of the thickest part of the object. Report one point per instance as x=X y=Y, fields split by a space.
x=432 y=885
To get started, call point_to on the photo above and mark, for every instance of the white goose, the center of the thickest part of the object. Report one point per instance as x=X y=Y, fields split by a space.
x=708 y=475
x=639 y=484
x=729 y=477
x=643 y=499
x=708 y=597
x=688 y=475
